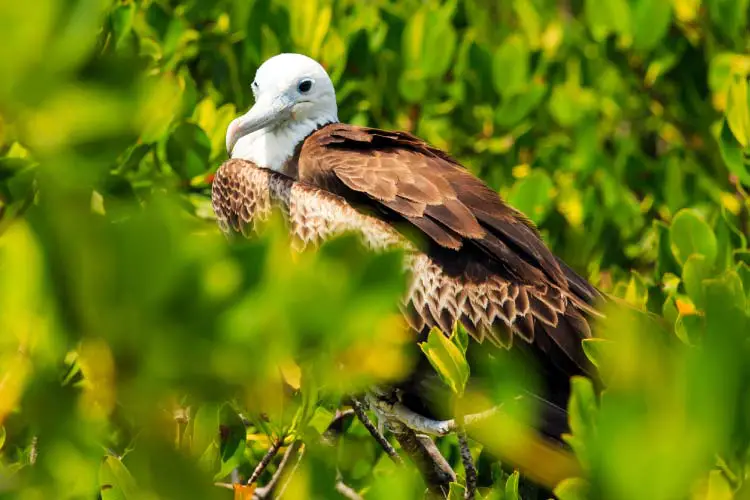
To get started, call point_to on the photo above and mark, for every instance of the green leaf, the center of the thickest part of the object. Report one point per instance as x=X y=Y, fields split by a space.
x=743 y=271
x=320 y=419
x=447 y=359
x=116 y=482
x=636 y=292
x=689 y=328
x=582 y=408
x=3 y=435
x=651 y=20
x=205 y=429
x=189 y=150
x=232 y=444
x=122 y=21
x=695 y=270
x=732 y=154
x=532 y=195
x=730 y=16
x=440 y=41
x=594 y=349
x=735 y=284
x=729 y=238
x=718 y=488
x=669 y=310
x=517 y=106
x=460 y=337
x=689 y=234
x=428 y=44
x=570 y=103
x=456 y=491
x=726 y=320
x=412 y=85
x=607 y=16
x=510 y=66
x=582 y=412
x=738 y=110
x=665 y=262
x=511 y=487
x=572 y=489
x=530 y=21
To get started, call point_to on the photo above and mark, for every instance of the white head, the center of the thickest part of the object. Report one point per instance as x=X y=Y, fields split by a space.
x=294 y=96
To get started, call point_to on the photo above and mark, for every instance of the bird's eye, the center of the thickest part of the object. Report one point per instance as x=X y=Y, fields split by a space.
x=305 y=85
x=254 y=85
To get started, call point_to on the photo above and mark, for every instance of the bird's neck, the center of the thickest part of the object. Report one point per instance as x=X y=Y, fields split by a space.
x=271 y=148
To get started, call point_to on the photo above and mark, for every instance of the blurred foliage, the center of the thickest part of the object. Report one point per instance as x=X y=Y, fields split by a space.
x=132 y=331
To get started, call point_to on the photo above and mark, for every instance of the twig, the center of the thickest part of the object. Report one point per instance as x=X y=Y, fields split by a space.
x=272 y=451
x=34 y=450
x=413 y=420
x=346 y=491
x=290 y=454
x=359 y=410
x=468 y=461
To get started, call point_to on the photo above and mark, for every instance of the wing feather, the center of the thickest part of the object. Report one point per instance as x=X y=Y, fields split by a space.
x=484 y=264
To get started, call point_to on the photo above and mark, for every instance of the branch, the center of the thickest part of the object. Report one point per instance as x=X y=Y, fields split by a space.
x=468 y=461
x=34 y=451
x=359 y=410
x=419 y=423
x=433 y=467
x=346 y=491
x=272 y=451
x=291 y=454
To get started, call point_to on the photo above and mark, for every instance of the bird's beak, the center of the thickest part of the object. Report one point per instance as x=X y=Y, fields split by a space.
x=266 y=112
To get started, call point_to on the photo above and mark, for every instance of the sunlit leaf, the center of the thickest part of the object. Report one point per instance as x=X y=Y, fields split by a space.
x=510 y=66
x=689 y=234
x=460 y=337
x=572 y=489
x=582 y=411
x=205 y=436
x=447 y=359
x=694 y=271
x=595 y=350
x=608 y=16
x=115 y=481
x=511 y=487
x=533 y=195
x=738 y=110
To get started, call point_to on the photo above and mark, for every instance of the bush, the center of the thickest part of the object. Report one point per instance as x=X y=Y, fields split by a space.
x=132 y=330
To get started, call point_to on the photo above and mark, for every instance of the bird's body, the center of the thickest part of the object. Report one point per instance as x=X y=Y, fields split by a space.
x=472 y=258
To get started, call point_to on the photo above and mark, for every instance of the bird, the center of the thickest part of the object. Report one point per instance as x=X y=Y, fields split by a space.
x=472 y=258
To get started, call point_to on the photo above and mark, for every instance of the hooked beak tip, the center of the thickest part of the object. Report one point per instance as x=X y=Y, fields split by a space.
x=263 y=114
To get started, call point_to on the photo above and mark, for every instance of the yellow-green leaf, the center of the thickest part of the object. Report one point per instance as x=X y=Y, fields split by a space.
x=738 y=110
x=115 y=481
x=447 y=359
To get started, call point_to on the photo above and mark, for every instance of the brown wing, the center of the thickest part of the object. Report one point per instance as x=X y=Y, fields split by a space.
x=486 y=265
